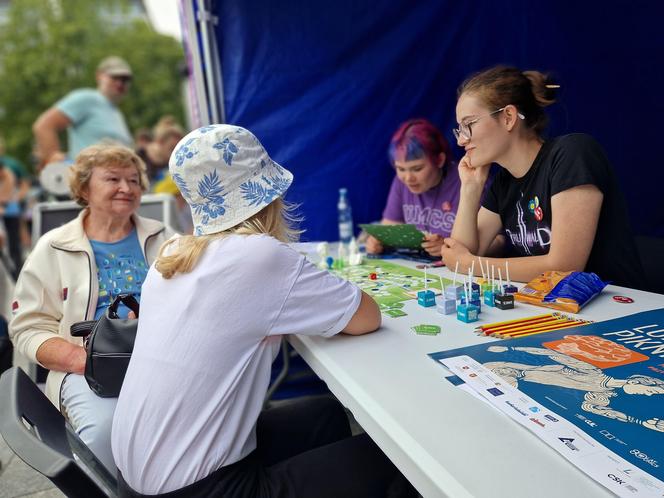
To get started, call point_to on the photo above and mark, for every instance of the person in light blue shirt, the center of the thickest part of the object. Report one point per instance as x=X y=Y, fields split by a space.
x=121 y=269
x=89 y=115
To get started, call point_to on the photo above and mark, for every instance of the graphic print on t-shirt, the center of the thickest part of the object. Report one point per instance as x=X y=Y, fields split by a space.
x=534 y=207
x=531 y=237
x=121 y=269
x=119 y=273
x=428 y=219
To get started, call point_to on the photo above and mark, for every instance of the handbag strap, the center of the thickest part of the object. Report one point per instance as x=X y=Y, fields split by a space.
x=128 y=300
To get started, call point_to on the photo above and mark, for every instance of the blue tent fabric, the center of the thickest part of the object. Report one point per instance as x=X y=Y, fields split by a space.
x=325 y=84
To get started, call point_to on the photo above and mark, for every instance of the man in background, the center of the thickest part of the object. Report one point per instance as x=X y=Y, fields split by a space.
x=89 y=115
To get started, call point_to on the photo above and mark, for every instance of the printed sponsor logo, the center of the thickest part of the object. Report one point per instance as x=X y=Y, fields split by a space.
x=551 y=418
x=568 y=441
x=642 y=456
x=615 y=478
x=534 y=409
x=509 y=403
x=533 y=419
x=495 y=391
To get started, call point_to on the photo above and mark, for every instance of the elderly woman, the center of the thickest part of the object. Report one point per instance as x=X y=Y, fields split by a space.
x=73 y=273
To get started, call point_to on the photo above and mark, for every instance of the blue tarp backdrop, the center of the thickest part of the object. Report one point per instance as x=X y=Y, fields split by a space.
x=324 y=85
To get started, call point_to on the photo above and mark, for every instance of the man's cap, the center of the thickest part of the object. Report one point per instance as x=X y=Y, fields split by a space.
x=114 y=66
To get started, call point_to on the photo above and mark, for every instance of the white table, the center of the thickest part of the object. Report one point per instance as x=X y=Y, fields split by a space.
x=446 y=442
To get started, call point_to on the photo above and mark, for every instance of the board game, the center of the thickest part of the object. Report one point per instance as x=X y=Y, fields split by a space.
x=392 y=283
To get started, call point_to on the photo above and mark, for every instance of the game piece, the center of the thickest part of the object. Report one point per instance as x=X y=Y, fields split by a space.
x=395 y=313
x=341 y=255
x=321 y=249
x=445 y=305
x=481 y=281
x=426 y=329
x=474 y=292
x=509 y=288
x=373 y=276
x=467 y=313
x=354 y=254
x=454 y=291
x=504 y=301
x=426 y=298
x=329 y=261
x=488 y=297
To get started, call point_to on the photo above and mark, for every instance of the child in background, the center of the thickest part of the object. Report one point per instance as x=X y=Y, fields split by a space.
x=425 y=190
x=214 y=308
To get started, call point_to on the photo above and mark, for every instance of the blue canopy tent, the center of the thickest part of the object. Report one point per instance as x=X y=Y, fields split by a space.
x=324 y=85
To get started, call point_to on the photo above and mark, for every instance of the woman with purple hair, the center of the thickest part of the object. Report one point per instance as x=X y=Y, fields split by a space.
x=425 y=190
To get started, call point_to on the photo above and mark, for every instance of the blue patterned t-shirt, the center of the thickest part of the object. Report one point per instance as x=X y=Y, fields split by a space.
x=121 y=269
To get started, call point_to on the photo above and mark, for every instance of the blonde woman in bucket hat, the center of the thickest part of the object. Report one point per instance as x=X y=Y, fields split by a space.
x=213 y=310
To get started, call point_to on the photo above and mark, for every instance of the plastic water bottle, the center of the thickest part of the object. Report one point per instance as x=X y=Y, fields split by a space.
x=345 y=217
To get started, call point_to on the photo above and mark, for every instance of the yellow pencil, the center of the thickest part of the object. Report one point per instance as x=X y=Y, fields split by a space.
x=516 y=320
x=526 y=331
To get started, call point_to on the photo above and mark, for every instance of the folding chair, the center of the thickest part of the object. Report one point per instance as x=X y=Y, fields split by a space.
x=39 y=435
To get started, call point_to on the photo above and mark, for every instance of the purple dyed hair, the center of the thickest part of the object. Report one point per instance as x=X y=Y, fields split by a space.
x=417 y=138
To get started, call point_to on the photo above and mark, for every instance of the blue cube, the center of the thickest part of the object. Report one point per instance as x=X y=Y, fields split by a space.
x=488 y=298
x=467 y=313
x=426 y=298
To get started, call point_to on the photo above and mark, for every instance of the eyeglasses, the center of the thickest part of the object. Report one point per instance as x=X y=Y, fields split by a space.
x=124 y=79
x=464 y=131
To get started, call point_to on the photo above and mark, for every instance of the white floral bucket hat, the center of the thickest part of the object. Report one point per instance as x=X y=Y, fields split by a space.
x=226 y=176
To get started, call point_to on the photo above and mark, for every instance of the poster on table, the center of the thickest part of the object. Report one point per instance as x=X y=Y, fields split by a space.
x=594 y=393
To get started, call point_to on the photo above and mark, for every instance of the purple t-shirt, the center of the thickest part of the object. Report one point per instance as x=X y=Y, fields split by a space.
x=433 y=211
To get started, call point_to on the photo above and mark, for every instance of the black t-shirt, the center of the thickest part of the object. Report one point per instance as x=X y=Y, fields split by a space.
x=524 y=207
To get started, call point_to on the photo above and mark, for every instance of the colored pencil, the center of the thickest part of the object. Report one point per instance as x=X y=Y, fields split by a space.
x=507 y=322
x=526 y=333
x=548 y=326
x=533 y=323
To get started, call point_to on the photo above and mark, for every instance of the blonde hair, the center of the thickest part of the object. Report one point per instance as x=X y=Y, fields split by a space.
x=103 y=156
x=181 y=255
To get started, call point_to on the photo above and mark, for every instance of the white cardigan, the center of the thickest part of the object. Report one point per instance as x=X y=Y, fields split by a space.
x=58 y=286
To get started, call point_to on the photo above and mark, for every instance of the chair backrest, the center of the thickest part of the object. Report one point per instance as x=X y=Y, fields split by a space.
x=36 y=431
x=49 y=215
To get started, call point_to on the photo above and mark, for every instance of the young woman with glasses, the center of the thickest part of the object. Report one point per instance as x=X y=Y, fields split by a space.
x=556 y=200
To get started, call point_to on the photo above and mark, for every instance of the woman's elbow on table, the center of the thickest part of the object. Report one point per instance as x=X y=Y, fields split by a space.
x=366 y=319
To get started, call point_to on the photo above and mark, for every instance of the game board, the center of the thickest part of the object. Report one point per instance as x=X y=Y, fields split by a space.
x=393 y=282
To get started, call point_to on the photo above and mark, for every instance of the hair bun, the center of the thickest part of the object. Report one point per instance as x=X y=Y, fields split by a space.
x=544 y=88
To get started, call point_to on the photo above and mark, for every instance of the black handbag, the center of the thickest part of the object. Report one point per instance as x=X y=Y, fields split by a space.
x=109 y=342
